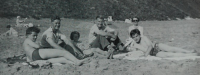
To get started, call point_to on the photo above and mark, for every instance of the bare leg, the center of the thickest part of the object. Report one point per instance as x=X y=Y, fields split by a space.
x=111 y=56
x=53 y=53
x=167 y=48
x=60 y=60
x=94 y=50
x=170 y=54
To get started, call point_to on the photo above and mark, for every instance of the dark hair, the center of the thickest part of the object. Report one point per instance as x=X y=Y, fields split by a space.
x=136 y=20
x=134 y=31
x=55 y=18
x=100 y=16
x=32 y=29
x=72 y=34
x=8 y=26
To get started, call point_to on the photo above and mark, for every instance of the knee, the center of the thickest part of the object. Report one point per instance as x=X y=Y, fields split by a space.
x=162 y=55
x=62 y=52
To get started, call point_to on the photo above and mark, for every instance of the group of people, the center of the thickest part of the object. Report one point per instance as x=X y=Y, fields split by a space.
x=56 y=48
x=20 y=22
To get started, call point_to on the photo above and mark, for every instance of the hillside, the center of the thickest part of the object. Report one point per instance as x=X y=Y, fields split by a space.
x=88 y=9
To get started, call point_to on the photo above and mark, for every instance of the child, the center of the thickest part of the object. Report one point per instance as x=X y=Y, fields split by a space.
x=142 y=43
x=74 y=36
x=34 y=52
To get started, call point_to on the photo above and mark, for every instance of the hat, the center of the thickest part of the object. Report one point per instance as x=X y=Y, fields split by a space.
x=18 y=16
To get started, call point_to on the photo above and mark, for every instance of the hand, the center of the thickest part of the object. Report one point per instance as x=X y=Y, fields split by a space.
x=39 y=43
x=87 y=47
x=113 y=38
x=95 y=34
x=79 y=54
x=124 y=48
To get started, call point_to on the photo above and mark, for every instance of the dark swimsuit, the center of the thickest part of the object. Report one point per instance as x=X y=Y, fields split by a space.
x=154 y=50
x=36 y=55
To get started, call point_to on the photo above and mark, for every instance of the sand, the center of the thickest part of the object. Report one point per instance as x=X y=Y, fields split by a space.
x=162 y=31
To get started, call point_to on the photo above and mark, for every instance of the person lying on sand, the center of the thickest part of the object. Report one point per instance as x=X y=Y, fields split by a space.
x=74 y=36
x=19 y=21
x=135 y=22
x=142 y=43
x=53 y=38
x=103 y=37
x=34 y=51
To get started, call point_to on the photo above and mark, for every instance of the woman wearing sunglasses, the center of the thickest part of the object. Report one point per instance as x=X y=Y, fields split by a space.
x=135 y=22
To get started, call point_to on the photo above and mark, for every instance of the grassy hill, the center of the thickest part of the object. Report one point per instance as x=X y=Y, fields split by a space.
x=88 y=9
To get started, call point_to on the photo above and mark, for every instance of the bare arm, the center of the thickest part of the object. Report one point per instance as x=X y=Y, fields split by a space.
x=102 y=33
x=53 y=44
x=140 y=47
x=70 y=43
x=112 y=31
x=148 y=50
x=21 y=21
x=149 y=43
x=109 y=32
x=75 y=48
x=116 y=33
x=33 y=44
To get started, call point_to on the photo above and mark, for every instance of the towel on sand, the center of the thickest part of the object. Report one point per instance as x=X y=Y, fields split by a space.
x=22 y=59
x=138 y=55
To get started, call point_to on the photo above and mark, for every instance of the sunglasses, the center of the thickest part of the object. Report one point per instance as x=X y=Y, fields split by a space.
x=135 y=20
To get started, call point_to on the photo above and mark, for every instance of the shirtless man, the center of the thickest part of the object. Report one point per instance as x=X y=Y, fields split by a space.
x=142 y=43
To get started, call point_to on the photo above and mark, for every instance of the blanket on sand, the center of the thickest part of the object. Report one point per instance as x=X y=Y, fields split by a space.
x=138 y=55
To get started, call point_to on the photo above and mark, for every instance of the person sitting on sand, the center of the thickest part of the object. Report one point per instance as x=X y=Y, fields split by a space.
x=142 y=43
x=74 y=36
x=53 y=38
x=103 y=37
x=34 y=51
x=20 y=22
x=135 y=22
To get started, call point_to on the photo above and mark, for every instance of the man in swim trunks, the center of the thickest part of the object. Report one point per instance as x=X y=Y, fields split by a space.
x=34 y=52
x=142 y=43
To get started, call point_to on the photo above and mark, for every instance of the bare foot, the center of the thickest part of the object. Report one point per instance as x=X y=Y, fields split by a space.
x=191 y=51
x=81 y=62
x=88 y=55
x=111 y=56
x=110 y=53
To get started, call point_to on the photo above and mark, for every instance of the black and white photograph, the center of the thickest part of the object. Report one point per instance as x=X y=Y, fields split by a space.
x=100 y=37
